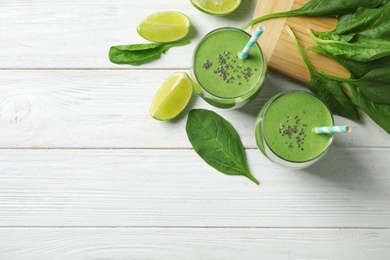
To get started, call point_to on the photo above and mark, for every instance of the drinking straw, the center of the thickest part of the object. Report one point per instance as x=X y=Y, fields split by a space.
x=332 y=129
x=251 y=42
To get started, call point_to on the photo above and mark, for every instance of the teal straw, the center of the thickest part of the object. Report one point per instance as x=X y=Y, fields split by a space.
x=332 y=129
x=252 y=41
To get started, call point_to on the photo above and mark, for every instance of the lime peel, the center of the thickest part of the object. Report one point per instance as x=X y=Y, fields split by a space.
x=167 y=26
x=216 y=7
x=172 y=97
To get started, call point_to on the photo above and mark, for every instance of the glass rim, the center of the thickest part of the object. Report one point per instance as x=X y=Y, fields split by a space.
x=255 y=86
x=326 y=148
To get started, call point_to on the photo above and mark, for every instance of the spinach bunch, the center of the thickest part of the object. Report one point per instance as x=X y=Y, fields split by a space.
x=361 y=43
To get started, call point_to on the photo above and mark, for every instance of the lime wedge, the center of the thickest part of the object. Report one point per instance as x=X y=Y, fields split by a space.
x=216 y=7
x=172 y=97
x=164 y=27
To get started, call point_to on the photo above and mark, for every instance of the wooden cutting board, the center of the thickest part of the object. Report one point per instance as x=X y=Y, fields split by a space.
x=278 y=47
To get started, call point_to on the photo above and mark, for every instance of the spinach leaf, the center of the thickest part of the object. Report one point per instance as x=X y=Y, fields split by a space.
x=217 y=143
x=321 y=8
x=371 y=22
x=332 y=35
x=327 y=89
x=384 y=3
x=332 y=94
x=375 y=85
x=357 y=68
x=360 y=48
x=379 y=113
x=137 y=54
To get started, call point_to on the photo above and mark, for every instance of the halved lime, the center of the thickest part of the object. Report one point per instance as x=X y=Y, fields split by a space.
x=172 y=97
x=164 y=27
x=216 y=7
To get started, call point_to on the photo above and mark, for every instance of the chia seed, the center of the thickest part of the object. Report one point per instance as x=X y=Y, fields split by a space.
x=207 y=64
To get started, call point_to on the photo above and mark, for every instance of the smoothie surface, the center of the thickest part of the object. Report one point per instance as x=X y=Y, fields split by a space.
x=288 y=124
x=220 y=71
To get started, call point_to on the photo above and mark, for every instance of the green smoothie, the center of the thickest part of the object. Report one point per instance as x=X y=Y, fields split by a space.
x=286 y=123
x=221 y=76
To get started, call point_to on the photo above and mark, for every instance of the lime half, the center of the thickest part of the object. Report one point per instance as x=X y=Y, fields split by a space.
x=164 y=27
x=216 y=7
x=172 y=97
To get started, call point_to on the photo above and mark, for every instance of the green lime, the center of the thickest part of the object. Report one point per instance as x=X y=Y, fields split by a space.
x=172 y=97
x=216 y=7
x=164 y=27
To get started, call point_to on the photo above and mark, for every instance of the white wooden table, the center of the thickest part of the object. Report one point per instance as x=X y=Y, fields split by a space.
x=86 y=173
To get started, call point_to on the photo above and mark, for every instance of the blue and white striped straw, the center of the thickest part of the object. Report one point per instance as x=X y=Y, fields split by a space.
x=252 y=41
x=332 y=129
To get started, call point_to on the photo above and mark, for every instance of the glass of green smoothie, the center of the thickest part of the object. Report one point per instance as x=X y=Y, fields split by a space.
x=219 y=76
x=284 y=129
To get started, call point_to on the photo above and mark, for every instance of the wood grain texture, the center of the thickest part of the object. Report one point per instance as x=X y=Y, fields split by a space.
x=210 y=243
x=280 y=50
x=348 y=188
x=110 y=108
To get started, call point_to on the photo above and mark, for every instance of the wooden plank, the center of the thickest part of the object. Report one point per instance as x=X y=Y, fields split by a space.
x=204 y=243
x=106 y=108
x=175 y=188
x=78 y=34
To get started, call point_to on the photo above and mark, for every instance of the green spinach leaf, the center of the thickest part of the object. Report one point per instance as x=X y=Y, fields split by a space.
x=331 y=93
x=384 y=3
x=379 y=113
x=217 y=143
x=375 y=85
x=357 y=68
x=321 y=8
x=137 y=54
x=332 y=35
x=370 y=22
x=360 y=48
